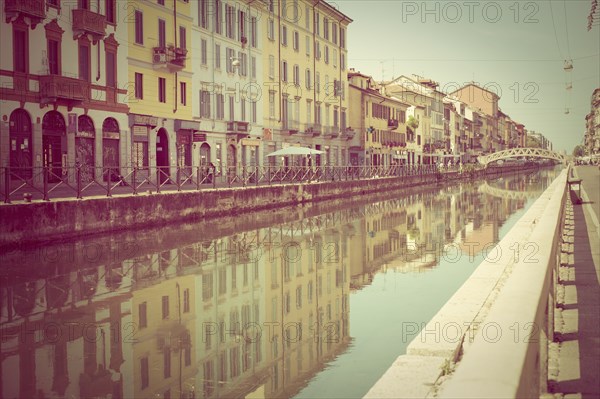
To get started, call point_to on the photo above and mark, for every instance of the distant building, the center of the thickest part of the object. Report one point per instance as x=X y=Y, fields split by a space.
x=592 y=134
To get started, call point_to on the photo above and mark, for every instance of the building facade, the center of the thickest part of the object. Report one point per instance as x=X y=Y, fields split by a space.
x=63 y=89
x=592 y=135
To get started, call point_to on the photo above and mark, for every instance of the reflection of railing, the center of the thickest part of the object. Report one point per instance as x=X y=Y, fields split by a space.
x=56 y=181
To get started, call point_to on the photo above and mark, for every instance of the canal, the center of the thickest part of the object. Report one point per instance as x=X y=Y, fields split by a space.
x=303 y=302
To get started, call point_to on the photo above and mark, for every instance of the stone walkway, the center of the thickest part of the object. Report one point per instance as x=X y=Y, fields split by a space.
x=574 y=356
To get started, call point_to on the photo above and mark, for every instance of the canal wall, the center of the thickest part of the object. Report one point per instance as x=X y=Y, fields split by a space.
x=490 y=338
x=28 y=223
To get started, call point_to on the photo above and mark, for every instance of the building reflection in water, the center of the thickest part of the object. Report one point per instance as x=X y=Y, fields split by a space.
x=255 y=314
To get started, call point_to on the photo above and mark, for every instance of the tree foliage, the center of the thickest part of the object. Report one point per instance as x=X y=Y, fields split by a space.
x=578 y=151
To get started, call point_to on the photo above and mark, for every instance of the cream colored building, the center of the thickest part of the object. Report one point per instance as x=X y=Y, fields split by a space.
x=305 y=96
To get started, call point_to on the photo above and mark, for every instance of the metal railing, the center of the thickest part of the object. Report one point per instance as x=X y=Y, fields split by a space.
x=79 y=181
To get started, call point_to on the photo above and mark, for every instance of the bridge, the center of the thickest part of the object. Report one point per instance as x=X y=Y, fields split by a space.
x=521 y=152
x=507 y=194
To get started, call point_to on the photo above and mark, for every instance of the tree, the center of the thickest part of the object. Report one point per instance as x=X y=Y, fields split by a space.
x=411 y=125
x=533 y=142
x=578 y=151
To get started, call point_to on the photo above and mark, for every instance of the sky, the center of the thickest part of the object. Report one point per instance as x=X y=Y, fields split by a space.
x=515 y=48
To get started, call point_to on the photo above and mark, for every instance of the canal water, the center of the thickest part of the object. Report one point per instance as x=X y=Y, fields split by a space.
x=295 y=303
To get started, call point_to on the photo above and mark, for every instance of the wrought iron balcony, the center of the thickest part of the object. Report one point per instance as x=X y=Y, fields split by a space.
x=34 y=9
x=392 y=123
x=291 y=126
x=348 y=133
x=171 y=57
x=237 y=126
x=313 y=129
x=71 y=90
x=89 y=22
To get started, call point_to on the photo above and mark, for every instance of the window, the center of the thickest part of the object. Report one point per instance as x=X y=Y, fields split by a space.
x=111 y=15
x=317 y=27
x=318 y=82
x=218 y=56
x=253 y=106
x=342 y=38
x=53 y=57
x=229 y=21
x=186 y=300
x=144 y=372
x=253 y=34
x=296 y=75
x=271 y=67
x=307 y=19
x=308 y=79
x=204 y=104
x=162 y=33
x=111 y=69
x=232 y=118
x=140 y=154
x=272 y=105
x=139 y=27
x=162 y=90
x=308 y=120
x=220 y=106
x=84 y=62
x=284 y=35
x=143 y=321
x=271 y=29
x=296 y=40
x=139 y=86
x=284 y=76
x=167 y=362
x=218 y=16
x=203 y=52
x=182 y=37
x=165 y=307
x=243 y=109
x=334 y=57
x=307 y=45
x=327 y=54
x=253 y=67
x=229 y=54
x=334 y=32
x=242 y=26
x=203 y=13
x=183 y=92
x=326 y=28
x=317 y=50
x=161 y=2
x=243 y=59
x=84 y=4
x=343 y=62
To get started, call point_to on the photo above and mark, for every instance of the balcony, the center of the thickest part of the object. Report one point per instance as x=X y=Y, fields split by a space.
x=313 y=129
x=237 y=127
x=348 y=133
x=332 y=132
x=173 y=58
x=54 y=88
x=392 y=124
x=291 y=127
x=89 y=22
x=33 y=9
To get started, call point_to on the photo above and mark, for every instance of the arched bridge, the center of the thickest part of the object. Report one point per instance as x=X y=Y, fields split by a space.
x=507 y=194
x=521 y=152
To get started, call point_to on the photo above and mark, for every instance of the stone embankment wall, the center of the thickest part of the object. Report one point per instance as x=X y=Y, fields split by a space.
x=27 y=223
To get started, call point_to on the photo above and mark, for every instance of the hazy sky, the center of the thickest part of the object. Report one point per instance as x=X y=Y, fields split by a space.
x=507 y=46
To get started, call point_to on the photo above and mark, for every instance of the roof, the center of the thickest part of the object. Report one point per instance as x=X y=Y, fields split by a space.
x=333 y=10
x=474 y=85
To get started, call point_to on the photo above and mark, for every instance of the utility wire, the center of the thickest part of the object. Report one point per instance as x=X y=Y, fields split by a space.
x=567 y=29
x=554 y=26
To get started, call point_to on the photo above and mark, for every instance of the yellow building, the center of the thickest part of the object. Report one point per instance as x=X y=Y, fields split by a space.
x=160 y=80
x=305 y=83
x=381 y=121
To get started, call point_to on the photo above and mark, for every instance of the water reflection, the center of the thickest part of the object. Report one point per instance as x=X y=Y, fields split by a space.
x=259 y=313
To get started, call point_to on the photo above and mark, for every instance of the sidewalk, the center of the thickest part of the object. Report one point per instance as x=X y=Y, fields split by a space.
x=574 y=356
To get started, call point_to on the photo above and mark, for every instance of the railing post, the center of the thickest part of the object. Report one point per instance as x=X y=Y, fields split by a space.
x=7 y=185
x=158 y=177
x=108 y=185
x=197 y=178
x=178 y=178
x=45 y=182
x=78 y=177
x=133 y=180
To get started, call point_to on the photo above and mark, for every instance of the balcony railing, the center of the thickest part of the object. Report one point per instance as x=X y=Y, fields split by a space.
x=291 y=126
x=237 y=126
x=35 y=9
x=169 y=56
x=313 y=129
x=332 y=131
x=89 y=22
x=348 y=133
x=392 y=123
x=55 y=87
